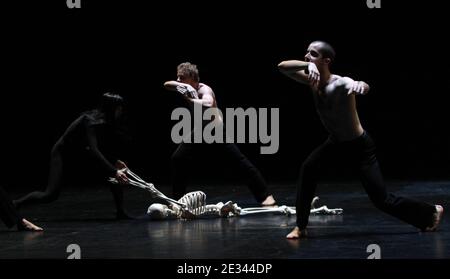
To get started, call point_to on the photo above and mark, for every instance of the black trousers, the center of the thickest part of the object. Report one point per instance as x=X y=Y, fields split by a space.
x=8 y=212
x=58 y=161
x=360 y=155
x=247 y=171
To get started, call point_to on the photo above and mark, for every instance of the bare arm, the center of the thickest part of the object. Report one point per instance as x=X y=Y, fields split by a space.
x=301 y=71
x=190 y=94
x=182 y=88
x=353 y=86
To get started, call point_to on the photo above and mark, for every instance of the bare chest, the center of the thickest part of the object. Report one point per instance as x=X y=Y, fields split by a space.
x=328 y=98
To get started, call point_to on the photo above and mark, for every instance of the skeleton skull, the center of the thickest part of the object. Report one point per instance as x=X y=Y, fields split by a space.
x=158 y=211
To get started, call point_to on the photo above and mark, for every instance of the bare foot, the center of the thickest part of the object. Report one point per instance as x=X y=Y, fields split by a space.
x=437 y=219
x=296 y=233
x=269 y=201
x=26 y=225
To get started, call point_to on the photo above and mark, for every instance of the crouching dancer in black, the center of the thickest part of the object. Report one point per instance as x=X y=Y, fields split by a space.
x=90 y=130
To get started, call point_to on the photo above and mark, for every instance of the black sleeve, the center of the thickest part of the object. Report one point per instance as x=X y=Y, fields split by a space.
x=93 y=148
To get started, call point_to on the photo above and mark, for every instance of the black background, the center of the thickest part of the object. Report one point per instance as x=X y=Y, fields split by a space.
x=58 y=61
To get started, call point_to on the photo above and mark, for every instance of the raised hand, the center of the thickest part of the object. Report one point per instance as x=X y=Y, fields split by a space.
x=121 y=165
x=121 y=176
x=358 y=87
x=313 y=75
x=188 y=91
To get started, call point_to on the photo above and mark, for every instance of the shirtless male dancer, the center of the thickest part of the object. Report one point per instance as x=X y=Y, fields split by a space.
x=197 y=93
x=335 y=102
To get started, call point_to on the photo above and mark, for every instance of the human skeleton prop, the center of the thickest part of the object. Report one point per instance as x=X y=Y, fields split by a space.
x=193 y=205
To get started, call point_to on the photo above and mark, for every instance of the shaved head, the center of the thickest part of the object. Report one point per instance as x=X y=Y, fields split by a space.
x=325 y=49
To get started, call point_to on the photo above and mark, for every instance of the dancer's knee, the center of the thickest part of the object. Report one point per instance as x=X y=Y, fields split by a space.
x=56 y=149
x=48 y=197
x=382 y=203
x=252 y=173
x=309 y=166
x=309 y=169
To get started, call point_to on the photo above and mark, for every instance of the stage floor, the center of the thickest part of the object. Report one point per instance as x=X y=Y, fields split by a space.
x=86 y=217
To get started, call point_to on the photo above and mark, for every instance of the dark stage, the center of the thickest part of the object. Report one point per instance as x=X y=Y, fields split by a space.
x=86 y=217
x=59 y=61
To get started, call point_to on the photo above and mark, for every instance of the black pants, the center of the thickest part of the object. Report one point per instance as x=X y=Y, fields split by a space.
x=58 y=160
x=247 y=171
x=360 y=155
x=8 y=213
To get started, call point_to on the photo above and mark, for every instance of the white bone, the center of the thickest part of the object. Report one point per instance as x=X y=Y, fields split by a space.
x=193 y=204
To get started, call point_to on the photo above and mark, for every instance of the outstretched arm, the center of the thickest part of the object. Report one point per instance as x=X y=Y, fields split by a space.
x=119 y=172
x=353 y=86
x=301 y=71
